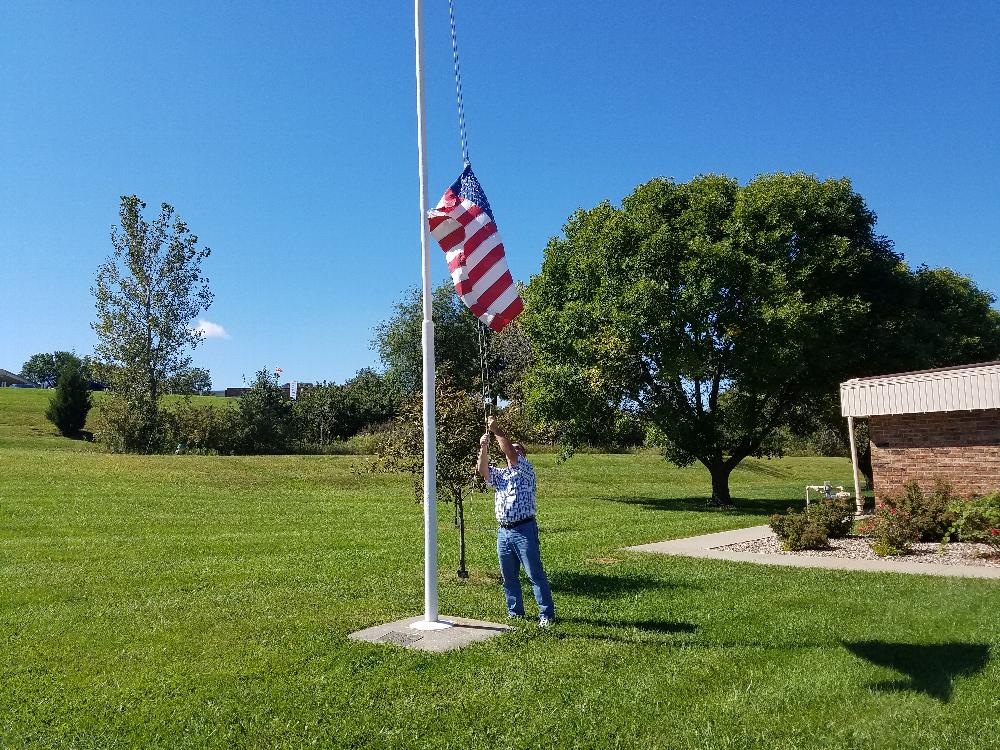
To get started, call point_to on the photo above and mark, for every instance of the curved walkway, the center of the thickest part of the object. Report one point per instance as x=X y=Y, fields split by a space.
x=707 y=545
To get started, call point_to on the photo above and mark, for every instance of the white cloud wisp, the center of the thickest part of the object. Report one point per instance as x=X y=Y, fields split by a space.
x=210 y=330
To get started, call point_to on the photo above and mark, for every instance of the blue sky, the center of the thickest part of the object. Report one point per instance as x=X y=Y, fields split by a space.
x=284 y=134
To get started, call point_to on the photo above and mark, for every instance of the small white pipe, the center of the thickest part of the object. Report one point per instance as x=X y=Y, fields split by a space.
x=859 y=501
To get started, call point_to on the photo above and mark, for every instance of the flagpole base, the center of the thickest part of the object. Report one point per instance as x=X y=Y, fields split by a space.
x=431 y=625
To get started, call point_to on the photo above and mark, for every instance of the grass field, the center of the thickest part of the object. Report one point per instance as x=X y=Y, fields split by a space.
x=186 y=601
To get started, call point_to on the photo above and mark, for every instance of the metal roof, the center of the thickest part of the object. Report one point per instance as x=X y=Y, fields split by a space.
x=946 y=389
x=6 y=376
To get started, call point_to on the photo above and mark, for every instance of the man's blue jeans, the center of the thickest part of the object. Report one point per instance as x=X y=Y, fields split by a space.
x=516 y=547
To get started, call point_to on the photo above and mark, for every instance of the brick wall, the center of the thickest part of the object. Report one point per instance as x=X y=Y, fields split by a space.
x=960 y=447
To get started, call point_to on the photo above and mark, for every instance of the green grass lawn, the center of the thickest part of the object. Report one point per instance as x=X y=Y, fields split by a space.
x=186 y=601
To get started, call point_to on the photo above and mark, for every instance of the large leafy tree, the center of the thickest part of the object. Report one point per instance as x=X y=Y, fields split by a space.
x=398 y=340
x=44 y=368
x=712 y=311
x=456 y=347
x=147 y=293
x=191 y=381
x=945 y=319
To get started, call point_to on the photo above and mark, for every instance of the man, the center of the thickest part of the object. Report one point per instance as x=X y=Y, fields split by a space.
x=517 y=535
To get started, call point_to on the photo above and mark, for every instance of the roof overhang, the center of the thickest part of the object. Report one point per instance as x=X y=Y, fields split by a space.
x=947 y=389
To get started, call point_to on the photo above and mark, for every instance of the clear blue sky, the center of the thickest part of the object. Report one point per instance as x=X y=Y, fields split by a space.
x=284 y=133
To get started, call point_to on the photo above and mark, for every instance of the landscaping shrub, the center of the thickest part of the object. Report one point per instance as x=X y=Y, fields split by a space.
x=930 y=514
x=799 y=531
x=835 y=516
x=978 y=520
x=892 y=530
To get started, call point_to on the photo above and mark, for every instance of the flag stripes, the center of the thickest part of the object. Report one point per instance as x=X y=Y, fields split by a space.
x=462 y=223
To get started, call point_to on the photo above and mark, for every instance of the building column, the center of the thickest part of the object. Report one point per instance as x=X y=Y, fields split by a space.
x=859 y=500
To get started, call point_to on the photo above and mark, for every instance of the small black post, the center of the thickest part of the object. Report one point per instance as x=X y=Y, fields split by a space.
x=462 y=572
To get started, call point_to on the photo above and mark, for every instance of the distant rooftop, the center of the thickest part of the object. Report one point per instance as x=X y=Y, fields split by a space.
x=6 y=376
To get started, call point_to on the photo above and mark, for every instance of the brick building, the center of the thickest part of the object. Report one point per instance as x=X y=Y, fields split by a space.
x=929 y=425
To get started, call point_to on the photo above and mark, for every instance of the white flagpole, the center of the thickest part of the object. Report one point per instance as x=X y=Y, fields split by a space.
x=430 y=621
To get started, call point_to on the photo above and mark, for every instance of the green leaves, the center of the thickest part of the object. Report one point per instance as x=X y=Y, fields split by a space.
x=707 y=309
x=147 y=293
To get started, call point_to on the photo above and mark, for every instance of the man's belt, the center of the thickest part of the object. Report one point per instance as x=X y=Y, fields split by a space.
x=523 y=521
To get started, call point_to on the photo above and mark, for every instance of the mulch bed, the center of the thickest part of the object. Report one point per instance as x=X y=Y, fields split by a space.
x=859 y=548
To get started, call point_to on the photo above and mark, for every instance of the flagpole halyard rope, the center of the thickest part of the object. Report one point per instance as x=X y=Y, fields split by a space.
x=458 y=83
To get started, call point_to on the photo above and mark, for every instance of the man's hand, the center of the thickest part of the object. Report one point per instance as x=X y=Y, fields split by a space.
x=484 y=457
x=490 y=424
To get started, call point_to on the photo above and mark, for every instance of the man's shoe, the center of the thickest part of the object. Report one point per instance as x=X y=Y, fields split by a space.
x=546 y=622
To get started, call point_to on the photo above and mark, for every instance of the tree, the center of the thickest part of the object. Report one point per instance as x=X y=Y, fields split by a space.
x=711 y=311
x=70 y=403
x=375 y=397
x=335 y=412
x=147 y=294
x=192 y=381
x=398 y=340
x=44 y=368
x=266 y=419
x=945 y=319
x=459 y=425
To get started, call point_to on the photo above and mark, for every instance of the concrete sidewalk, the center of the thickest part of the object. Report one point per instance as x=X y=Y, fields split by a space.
x=707 y=546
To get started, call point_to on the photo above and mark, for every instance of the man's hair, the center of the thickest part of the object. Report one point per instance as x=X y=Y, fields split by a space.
x=520 y=449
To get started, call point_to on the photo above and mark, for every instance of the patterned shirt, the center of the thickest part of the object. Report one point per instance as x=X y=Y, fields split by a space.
x=515 y=492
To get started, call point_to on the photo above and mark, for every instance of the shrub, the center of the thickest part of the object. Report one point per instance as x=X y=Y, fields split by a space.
x=71 y=401
x=978 y=520
x=202 y=428
x=267 y=422
x=128 y=425
x=835 y=516
x=892 y=530
x=931 y=515
x=799 y=531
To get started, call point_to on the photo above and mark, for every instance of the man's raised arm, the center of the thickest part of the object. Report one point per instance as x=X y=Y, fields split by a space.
x=505 y=445
x=484 y=457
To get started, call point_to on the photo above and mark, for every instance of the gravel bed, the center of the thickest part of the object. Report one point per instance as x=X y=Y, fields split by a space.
x=859 y=548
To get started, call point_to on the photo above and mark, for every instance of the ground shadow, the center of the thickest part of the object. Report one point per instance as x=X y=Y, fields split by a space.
x=622 y=631
x=607 y=586
x=740 y=507
x=930 y=668
x=764 y=468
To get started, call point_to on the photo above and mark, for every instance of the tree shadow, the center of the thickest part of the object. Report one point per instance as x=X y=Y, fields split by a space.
x=929 y=668
x=741 y=507
x=607 y=586
x=763 y=468
x=623 y=631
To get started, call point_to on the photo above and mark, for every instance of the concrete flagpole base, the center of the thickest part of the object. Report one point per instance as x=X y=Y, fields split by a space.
x=448 y=635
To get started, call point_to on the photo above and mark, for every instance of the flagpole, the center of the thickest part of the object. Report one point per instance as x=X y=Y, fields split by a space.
x=430 y=621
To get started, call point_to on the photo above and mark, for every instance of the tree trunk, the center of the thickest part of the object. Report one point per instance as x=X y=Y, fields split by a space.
x=720 y=484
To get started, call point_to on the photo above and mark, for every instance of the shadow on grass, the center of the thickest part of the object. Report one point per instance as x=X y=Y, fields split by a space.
x=763 y=468
x=929 y=668
x=623 y=631
x=756 y=507
x=607 y=586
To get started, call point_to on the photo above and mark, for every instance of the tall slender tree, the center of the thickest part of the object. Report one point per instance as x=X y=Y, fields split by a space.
x=147 y=294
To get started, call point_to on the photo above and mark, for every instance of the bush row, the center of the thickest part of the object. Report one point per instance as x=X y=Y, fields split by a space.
x=897 y=523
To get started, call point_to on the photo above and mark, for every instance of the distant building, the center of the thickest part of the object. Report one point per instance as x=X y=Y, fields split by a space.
x=237 y=392
x=931 y=424
x=7 y=378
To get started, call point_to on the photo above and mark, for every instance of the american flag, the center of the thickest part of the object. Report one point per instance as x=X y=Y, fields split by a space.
x=462 y=223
